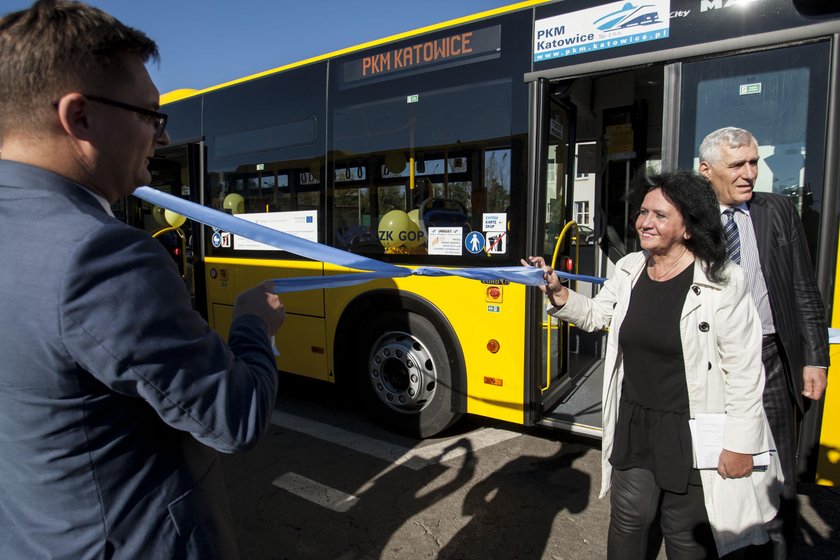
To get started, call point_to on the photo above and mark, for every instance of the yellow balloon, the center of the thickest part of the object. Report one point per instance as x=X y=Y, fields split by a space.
x=235 y=203
x=414 y=234
x=391 y=226
x=174 y=219
x=158 y=215
x=414 y=216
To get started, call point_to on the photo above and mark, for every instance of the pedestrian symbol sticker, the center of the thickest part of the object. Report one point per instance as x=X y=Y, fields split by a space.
x=474 y=242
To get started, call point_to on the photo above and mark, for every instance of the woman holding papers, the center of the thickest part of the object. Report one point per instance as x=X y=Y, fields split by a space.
x=684 y=339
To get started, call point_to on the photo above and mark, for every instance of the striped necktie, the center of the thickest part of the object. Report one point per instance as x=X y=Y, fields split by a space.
x=733 y=240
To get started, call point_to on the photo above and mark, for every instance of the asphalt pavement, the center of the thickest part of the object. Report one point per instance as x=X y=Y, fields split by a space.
x=819 y=527
x=327 y=483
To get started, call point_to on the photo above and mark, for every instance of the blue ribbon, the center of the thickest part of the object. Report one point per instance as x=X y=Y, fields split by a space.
x=372 y=268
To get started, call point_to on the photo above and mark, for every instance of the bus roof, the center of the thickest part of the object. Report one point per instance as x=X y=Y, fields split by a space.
x=179 y=94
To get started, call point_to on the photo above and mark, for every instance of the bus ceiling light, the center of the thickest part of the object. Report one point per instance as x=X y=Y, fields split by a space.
x=493 y=345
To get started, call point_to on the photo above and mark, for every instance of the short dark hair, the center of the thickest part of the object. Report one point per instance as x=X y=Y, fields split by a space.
x=58 y=46
x=693 y=197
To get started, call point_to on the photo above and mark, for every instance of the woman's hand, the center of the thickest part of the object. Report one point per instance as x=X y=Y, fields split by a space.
x=734 y=465
x=557 y=293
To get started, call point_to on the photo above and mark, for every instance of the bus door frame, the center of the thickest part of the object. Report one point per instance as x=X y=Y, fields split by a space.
x=197 y=163
x=196 y=151
x=541 y=393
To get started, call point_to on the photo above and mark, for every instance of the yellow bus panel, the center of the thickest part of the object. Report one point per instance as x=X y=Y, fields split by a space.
x=828 y=463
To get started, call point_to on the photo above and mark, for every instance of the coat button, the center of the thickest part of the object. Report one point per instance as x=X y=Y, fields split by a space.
x=708 y=365
x=696 y=290
x=704 y=327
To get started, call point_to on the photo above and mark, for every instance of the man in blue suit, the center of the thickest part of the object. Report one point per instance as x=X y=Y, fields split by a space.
x=766 y=238
x=115 y=396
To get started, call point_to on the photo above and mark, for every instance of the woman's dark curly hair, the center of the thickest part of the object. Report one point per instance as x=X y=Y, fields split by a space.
x=692 y=195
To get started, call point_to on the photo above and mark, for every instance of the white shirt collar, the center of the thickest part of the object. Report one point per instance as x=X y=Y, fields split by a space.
x=743 y=207
x=101 y=199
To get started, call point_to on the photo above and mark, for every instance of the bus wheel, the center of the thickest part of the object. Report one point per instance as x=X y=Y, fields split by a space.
x=408 y=375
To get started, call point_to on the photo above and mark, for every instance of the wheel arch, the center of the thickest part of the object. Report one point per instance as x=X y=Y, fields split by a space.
x=378 y=301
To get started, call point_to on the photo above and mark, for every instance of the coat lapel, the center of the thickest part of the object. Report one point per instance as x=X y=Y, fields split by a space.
x=761 y=220
x=698 y=284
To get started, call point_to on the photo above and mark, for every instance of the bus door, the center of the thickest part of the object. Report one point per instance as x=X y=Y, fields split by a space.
x=781 y=96
x=617 y=131
x=176 y=171
x=557 y=160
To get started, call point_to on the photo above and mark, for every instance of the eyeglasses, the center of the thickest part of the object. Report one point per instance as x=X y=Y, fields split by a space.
x=157 y=119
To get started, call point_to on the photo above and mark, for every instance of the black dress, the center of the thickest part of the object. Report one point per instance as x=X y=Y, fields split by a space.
x=652 y=427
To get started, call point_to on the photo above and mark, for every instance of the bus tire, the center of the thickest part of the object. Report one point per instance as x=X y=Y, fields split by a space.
x=405 y=374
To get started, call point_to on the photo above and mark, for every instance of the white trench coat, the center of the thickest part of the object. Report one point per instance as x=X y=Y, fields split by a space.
x=721 y=341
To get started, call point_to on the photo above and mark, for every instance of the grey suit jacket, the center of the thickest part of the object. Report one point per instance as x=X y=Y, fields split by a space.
x=798 y=312
x=114 y=394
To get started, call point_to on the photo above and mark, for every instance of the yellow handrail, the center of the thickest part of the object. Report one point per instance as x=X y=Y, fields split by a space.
x=569 y=225
x=183 y=239
x=560 y=237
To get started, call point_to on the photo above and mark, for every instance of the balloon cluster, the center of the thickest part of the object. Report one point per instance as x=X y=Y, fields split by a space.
x=400 y=232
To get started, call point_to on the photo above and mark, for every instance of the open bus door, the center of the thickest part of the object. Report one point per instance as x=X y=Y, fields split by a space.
x=176 y=171
x=615 y=124
x=558 y=233
x=555 y=236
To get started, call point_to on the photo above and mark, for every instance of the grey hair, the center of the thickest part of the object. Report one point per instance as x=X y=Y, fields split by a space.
x=728 y=136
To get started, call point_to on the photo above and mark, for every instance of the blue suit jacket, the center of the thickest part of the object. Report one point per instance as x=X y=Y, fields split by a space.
x=114 y=393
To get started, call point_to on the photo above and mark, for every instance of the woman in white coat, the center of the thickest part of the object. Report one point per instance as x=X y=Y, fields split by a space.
x=684 y=339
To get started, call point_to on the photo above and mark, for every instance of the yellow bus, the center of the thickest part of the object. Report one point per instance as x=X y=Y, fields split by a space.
x=476 y=142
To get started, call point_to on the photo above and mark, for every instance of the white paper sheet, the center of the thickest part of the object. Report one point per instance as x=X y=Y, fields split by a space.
x=707 y=438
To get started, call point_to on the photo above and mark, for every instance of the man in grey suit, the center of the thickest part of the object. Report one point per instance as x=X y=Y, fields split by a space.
x=115 y=396
x=764 y=235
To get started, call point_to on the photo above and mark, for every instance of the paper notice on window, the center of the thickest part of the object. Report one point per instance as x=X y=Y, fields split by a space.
x=707 y=440
x=301 y=223
x=446 y=241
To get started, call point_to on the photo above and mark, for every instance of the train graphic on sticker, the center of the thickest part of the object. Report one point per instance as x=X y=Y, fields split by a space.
x=628 y=16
